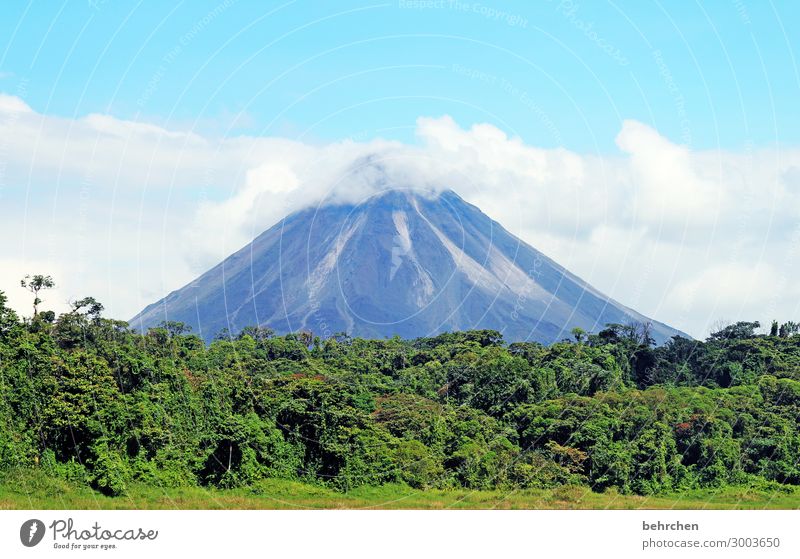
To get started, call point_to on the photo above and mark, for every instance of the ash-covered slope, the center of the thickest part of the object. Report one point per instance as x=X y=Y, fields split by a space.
x=400 y=263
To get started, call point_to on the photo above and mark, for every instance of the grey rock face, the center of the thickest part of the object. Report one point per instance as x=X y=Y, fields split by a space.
x=402 y=262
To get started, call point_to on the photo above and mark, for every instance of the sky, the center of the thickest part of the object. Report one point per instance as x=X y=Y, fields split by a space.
x=651 y=148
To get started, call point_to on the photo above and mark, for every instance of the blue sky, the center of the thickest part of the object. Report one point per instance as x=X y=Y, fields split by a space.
x=651 y=148
x=555 y=73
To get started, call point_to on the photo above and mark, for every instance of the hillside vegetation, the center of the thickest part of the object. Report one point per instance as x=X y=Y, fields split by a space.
x=87 y=403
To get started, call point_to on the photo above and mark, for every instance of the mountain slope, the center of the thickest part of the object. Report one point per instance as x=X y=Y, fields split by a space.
x=400 y=263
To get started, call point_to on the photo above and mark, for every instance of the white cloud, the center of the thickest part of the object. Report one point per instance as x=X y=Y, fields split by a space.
x=128 y=211
x=10 y=105
x=668 y=188
x=738 y=290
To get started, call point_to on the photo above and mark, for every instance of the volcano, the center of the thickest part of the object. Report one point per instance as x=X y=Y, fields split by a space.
x=402 y=262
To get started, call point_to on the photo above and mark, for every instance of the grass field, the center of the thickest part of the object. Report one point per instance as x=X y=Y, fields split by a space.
x=33 y=490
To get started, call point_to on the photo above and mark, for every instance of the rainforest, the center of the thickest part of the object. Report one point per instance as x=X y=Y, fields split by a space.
x=91 y=404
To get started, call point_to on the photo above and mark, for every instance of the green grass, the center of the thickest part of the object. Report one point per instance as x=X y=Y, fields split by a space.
x=34 y=490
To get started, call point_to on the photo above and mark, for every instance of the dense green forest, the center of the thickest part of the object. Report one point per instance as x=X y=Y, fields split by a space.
x=86 y=399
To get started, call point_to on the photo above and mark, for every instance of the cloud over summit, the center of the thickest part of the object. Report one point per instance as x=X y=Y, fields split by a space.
x=128 y=211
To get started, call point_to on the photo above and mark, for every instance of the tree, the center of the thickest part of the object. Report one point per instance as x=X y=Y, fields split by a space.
x=738 y=331
x=642 y=332
x=579 y=334
x=72 y=328
x=175 y=328
x=258 y=333
x=8 y=318
x=788 y=329
x=305 y=337
x=223 y=335
x=89 y=305
x=36 y=284
x=773 y=331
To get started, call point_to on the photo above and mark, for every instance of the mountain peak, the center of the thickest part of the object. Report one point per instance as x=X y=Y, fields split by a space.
x=403 y=261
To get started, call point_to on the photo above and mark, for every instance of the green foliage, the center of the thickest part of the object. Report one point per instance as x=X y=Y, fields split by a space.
x=86 y=400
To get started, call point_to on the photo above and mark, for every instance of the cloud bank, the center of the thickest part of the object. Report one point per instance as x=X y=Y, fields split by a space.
x=128 y=211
